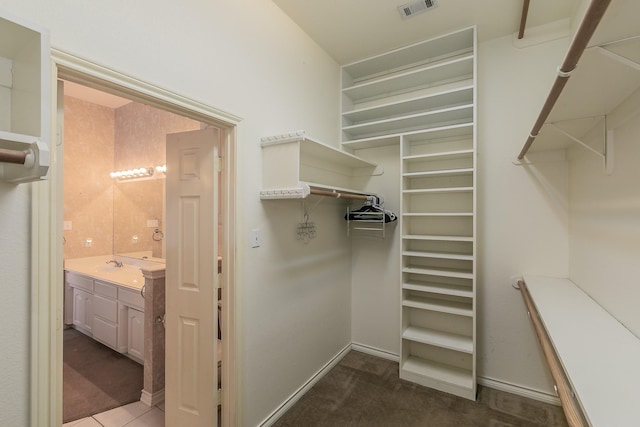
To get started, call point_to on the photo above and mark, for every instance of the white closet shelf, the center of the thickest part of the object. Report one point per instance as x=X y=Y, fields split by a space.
x=436 y=214
x=432 y=237
x=419 y=191
x=439 y=288
x=450 y=115
x=454 y=43
x=443 y=172
x=439 y=305
x=460 y=130
x=442 y=272
x=439 y=255
x=445 y=155
x=426 y=102
x=442 y=339
x=25 y=82
x=428 y=372
x=293 y=164
x=447 y=71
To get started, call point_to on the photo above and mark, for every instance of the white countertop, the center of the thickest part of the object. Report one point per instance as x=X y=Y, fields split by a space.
x=129 y=275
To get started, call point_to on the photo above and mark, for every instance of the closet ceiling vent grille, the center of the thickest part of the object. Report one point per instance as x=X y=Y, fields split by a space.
x=413 y=8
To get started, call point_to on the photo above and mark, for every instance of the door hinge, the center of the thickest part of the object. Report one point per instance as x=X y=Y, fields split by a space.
x=219 y=164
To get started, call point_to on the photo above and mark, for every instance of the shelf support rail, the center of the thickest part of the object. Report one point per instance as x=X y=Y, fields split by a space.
x=570 y=406
x=592 y=18
x=606 y=156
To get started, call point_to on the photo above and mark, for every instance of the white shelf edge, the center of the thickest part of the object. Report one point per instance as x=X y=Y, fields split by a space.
x=461 y=171
x=443 y=93
x=438 y=156
x=458 y=377
x=439 y=255
x=436 y=214
x=424 y=114
x=441 y=339
x=438 y=272
x=438 y=190
x=442 y=306
x=437 y=238
x=439 y=288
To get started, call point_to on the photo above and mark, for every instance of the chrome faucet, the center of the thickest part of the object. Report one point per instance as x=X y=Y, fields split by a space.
x=116 y=263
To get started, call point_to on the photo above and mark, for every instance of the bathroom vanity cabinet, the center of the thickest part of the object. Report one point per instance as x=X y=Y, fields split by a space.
x=108 y=312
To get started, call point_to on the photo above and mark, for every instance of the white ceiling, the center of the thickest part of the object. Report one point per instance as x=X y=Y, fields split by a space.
x=94 y=96
x=353 y=29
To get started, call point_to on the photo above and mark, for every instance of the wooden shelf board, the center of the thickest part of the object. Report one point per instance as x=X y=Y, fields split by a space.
x=443 y=373
x=450 y=115
x=431 y=74
x=444 y=172
x=457 y=41
x=462 y=274
x=442 y=306
x=441 y=339
x=438 y=238
x=438 y=190
x=445 y=155
x=437 y=214
x=439 y=255
x=439 y=288
x=437 y=100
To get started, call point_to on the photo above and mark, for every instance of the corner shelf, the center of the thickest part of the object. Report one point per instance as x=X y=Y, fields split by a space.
x=293 y=164
x=24 y=101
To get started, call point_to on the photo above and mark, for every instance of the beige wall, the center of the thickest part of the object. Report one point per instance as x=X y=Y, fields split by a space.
x=88 y=189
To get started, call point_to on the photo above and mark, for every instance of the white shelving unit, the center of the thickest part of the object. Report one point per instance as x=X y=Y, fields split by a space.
x=24 y=100
x=422 y=97
x=425 y=85
x=293 y=164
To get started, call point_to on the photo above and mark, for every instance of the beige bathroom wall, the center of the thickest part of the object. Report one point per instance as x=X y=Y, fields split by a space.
x=140 y=134
x=88 y=188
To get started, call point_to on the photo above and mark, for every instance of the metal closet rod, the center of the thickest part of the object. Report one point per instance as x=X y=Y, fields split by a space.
x=592 y=18
x=337 y=194
x=17 y=157
x=523 y=18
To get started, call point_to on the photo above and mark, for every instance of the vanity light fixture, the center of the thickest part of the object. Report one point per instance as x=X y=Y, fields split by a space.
x=133 y=173
x=162 y=168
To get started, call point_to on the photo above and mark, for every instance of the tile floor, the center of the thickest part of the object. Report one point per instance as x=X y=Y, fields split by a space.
x=135 y=414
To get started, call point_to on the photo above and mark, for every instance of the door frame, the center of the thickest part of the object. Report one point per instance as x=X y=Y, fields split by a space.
x=47 y=238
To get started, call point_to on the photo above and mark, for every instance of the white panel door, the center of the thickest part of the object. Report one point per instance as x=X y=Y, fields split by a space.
x=191 y=396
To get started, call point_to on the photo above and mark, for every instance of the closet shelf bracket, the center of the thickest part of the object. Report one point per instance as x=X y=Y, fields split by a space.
x=606 y=155
x=23 y=159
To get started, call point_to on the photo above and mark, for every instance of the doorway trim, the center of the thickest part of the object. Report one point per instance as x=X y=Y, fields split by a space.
x=47 y=276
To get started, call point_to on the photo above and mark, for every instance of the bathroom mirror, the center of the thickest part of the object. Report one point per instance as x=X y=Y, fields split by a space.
x=104 y=134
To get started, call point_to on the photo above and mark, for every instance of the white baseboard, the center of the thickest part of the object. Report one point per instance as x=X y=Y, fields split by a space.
x=375 y=352
x=540 y=396
x=152 y=399
x=288 y=403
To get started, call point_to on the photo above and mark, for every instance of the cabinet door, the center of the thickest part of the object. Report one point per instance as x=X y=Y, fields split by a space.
x=82 y=309
x=135 y=334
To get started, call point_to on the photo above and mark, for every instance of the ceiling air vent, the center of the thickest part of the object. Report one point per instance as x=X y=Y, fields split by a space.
x=416 y=7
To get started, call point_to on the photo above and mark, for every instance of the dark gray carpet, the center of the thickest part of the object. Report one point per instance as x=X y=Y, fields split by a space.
x=96 y=378
x=365 y=391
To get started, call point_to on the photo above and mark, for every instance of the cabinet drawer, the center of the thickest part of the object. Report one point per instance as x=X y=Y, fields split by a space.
x=131 y=298
x=78 y=281
x=105 y=308
x=105 y=332
x=105 y=289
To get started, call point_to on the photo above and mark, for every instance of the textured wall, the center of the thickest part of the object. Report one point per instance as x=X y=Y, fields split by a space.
x=88 y=188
